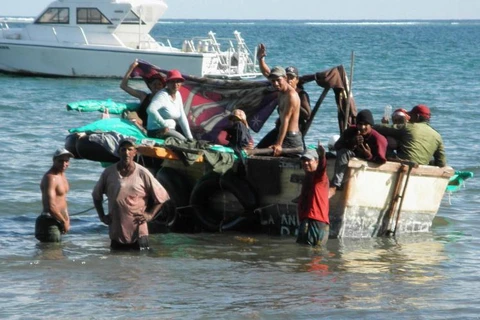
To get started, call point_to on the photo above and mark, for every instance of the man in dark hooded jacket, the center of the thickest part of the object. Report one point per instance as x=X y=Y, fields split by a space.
x=360 y=141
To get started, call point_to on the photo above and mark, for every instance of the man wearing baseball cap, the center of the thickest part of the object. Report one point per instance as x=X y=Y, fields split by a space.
x=417 y=140
x=313 y=203
x=54 y=220
x=293 y=79
x=134 y=198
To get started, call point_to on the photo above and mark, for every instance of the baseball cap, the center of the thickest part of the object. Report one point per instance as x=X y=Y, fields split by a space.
x=62 y=151
x=291 y=70
x=127 y=140
x=277 y=72
x=310 y=154
x=421 y=110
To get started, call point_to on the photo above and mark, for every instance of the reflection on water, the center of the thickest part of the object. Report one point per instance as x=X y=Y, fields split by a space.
x=408 y=259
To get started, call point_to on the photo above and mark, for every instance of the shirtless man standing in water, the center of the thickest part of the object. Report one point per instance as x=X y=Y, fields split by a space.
x=54 y=219
x=289 y=135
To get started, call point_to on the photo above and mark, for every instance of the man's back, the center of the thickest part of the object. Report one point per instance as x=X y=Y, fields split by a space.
x=420 y=142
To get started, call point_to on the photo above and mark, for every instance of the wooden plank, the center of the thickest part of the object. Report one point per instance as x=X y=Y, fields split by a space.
x=161 y=153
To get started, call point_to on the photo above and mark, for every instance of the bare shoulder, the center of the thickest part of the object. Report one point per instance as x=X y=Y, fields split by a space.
x=293 y=95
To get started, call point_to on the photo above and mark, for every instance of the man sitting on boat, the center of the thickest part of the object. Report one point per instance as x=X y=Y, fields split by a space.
x=417 y=140
x=293 y=80
x=400 y=117
x=155 y=83
x=166 y=111
x=289 y=135
x=238 y=135
x=361 y=141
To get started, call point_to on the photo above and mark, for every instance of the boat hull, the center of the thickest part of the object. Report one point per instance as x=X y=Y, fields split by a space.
x=91 y=61
x=377 y=200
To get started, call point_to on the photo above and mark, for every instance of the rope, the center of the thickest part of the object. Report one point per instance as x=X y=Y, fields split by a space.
x=80 y=212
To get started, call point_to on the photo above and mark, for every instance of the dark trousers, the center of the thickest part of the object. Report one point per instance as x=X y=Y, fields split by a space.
x=141 y=244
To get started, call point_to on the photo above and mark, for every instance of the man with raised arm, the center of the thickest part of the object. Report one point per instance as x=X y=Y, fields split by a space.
x=289 y=135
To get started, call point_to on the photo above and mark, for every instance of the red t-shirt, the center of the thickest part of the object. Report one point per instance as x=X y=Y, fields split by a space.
x=313 y=202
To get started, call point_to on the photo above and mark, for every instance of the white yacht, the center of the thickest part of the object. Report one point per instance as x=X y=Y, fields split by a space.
x=101 y=38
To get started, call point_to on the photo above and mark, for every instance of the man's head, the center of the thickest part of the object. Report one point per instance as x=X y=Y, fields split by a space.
x=174 y=80
x=292 y=76
x=61 y=158
x=278 y=77
x=239 y=115
x=127 y=149
x=365 y=122
x=309 y=160
x=155 y=82
x=400 y=116
x=420 y=113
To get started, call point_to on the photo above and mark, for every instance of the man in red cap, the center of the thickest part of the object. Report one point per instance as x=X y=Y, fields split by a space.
x=417 y=140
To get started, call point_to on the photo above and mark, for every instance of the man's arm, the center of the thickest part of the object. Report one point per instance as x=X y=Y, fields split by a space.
x=305 y=109
x=261 y=54
x=439 y=156
x=125 y=87
x=183 y=120
x=291 y=103
x=97 y=196
x=157 y=102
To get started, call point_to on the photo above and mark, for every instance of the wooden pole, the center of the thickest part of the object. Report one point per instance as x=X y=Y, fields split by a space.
x=349 y=92
x=269 y=151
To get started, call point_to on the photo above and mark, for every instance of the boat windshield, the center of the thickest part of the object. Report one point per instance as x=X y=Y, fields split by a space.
x=91 y=16
x=132 y=18
x=55 y=15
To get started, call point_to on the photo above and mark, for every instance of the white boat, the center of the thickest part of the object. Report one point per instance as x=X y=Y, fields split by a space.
x=87 y=38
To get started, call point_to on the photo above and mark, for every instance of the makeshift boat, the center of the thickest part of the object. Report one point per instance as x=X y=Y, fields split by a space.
x=87 y=38
x=214 y=188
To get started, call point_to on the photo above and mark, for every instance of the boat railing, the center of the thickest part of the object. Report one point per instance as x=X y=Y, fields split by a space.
x=237 y=58
x=71 y=34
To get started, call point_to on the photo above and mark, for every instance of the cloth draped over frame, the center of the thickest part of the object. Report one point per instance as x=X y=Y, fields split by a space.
x=209 y=102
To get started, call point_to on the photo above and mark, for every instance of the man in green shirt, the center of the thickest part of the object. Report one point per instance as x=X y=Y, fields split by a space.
x=417 y=140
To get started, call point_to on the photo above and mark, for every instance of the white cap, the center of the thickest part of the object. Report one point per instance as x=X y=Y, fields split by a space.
x=332 y=140
x=61 y=151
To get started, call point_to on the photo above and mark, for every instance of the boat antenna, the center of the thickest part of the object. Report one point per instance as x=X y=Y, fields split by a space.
x=349 y=91
x=139 y=26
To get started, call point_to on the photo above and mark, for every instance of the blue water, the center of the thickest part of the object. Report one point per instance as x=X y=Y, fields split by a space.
x=206 y=276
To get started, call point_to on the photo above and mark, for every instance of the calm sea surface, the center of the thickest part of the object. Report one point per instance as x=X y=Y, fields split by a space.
x=233 y=276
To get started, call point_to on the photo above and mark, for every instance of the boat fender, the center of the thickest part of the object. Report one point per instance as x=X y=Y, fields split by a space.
x=90 y=150
x=178 y=188
x=212 y=184
x=71 y=144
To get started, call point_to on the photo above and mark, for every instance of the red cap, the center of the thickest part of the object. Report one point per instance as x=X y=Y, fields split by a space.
x=421 y=110
x=402 y=113
x=174 y=75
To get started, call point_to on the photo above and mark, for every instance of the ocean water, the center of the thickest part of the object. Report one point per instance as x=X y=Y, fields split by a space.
x=233 y=276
